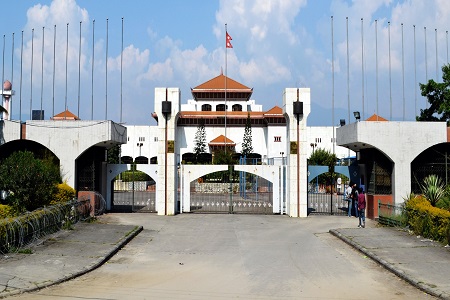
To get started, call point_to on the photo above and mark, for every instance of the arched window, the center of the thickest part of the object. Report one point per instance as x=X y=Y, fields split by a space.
x=220 y=107
x=206 y=107
x=126 y=160
x=237 y=107
x=141 y=160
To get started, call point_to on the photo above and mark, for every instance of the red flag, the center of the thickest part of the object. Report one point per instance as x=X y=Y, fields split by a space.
x=228 y=41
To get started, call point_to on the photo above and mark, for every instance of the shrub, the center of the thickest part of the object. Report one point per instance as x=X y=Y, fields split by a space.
x=433 y=189
x=6 y=211
x=63 y=194
x=426 y=220
x=30 y=182
x=128 y=176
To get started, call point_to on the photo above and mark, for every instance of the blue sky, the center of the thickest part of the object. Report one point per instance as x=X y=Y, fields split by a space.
x=177 y=43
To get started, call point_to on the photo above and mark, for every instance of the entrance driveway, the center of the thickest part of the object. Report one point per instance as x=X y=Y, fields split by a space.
x=209 y=256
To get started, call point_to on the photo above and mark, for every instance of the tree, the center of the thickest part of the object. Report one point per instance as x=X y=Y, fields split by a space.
x=438 y=96
x=247 y=147
x=113 y=154
x=322 y=157
x=30 y=183
x=200 y=139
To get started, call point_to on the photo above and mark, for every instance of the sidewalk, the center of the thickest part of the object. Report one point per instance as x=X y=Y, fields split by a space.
x=62 y=256
x=68 y=254
x=421 y=262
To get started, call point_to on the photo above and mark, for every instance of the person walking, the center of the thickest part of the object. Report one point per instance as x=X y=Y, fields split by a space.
x=355 y=199
x=348 y=197
x=361 y=208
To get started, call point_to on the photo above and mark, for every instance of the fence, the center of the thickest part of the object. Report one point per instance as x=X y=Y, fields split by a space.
x=17 y=233
x=391 y=215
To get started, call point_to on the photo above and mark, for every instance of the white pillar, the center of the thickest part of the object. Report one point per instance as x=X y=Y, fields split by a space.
x=166 y=187
x=296 y=179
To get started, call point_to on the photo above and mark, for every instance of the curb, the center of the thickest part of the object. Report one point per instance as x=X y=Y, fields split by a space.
x=390 y=267
x=88 y=269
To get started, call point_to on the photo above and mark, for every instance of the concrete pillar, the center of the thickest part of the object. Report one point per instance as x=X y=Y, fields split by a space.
x=166 y=187
x=296 y=179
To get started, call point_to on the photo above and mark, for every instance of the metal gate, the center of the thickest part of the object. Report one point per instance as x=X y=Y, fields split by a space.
x=134 y=196
x=325 y=197
x=231 y=191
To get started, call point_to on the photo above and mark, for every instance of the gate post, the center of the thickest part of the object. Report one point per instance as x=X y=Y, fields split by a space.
x=167 y=106
x=296 y=116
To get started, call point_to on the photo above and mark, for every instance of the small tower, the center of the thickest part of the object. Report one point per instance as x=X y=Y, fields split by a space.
x=7 y=92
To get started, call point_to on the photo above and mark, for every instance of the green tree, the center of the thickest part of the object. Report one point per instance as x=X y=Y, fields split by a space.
x=438 y=96
x=113 y=154
x=322 y=157
x=247 y=147
x=222 y=157
x=30 y=183
x=200 y=139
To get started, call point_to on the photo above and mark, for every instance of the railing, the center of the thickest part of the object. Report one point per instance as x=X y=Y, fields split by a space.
x=391 y=215
x=17 y=233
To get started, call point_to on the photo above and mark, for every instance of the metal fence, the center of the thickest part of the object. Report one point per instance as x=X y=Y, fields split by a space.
x=327 y=204
x=252 y=194
x=391 y=215
x=137 y=196
x=16 y=233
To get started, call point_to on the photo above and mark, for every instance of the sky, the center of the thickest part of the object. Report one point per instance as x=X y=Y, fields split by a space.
x=103 y=59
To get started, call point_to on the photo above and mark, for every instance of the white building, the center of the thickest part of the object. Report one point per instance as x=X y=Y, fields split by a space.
x=268 y=126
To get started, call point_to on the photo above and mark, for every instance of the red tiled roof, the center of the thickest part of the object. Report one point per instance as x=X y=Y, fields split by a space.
x=221 y=140
x=376 y=117
x=276 y=110
x=218 y=83
x=65 y=115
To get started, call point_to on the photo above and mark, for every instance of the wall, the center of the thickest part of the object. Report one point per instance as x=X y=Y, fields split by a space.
x=372 y=204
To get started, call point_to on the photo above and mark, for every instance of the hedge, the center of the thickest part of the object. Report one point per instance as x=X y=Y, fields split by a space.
x=428 y=221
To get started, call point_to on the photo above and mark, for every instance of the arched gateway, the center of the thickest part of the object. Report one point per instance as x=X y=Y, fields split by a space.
x=176 y=126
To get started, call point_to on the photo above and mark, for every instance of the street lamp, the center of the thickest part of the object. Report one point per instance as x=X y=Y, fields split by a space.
x=357 y=115
x=313 y=145
x=140 y=146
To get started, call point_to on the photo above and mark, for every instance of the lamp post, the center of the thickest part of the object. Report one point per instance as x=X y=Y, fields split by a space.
x=357 y=115
x=282 y=157
x=140 y=146
x=314 y=145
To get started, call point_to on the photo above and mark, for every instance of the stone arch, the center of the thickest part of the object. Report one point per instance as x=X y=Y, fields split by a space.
x=192 y=172
x=433 y=160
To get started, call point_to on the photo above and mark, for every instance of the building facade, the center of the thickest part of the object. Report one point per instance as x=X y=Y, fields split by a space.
x=226 y=117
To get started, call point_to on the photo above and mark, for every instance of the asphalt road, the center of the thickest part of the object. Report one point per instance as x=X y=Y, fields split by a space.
x=208 y=256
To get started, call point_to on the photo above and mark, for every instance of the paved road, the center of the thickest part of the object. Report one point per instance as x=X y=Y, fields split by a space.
x=234 y=257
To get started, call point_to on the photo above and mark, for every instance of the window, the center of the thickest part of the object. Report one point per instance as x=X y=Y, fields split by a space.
x=237 y=107
x=277 y=139
x=206 y=107
x=220 y=107
x=156 y=139
x=142 y=139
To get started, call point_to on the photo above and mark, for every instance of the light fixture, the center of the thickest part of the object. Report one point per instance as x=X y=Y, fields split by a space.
x=342 y=122
x=357 y=115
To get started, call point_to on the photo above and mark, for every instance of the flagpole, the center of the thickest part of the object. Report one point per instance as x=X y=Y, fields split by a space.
x=226 y=47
